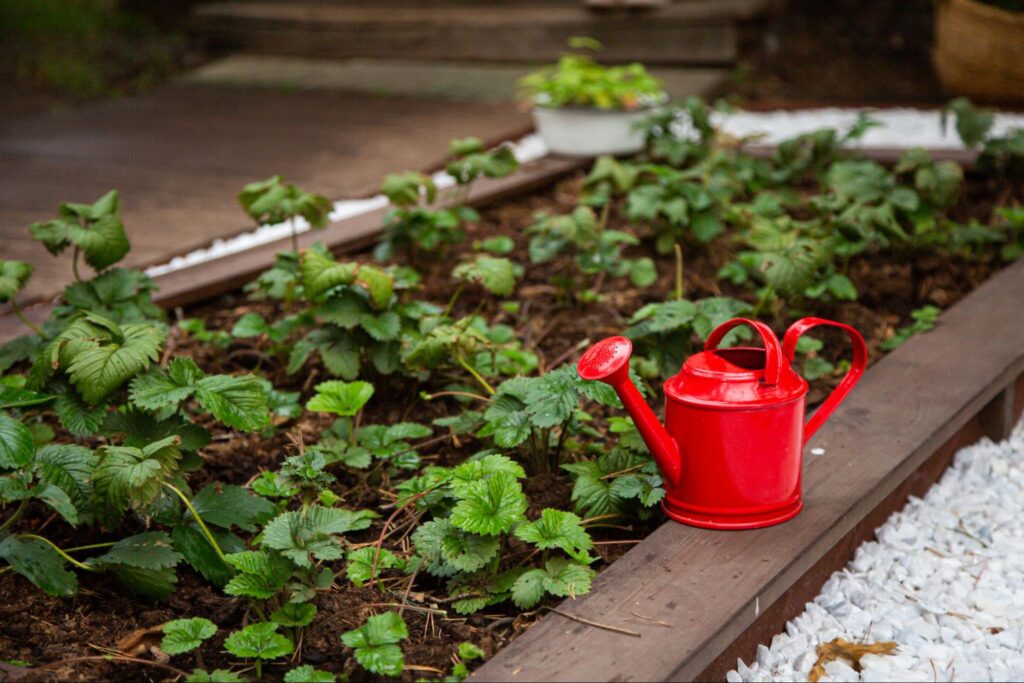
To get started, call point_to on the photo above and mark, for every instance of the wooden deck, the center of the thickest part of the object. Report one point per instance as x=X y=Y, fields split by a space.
x=179 y=156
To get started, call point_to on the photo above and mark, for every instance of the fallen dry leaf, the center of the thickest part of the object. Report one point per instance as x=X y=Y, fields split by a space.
x=844 y=649
x=139 y=641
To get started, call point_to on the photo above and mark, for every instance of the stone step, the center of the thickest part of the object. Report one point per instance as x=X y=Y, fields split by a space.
x=466 y=81
x=683 y=32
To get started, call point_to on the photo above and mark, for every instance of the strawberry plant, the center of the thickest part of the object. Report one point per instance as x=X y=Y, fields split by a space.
x=258 y=642
x=307 y=674
x=414 y=224
x=598 y=251
x=358 y=316
x=924 y=320
x=472 y=161
x=376 y=644
x=577 y=80
x=94 y=231
x=273 y=201
x=539 y=414
x=186 y=635
x=471 y=345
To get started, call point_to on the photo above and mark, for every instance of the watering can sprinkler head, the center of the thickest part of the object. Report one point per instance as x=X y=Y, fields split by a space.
x=608 y=361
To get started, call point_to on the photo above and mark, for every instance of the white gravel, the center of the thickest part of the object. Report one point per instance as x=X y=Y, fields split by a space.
x=944 y=580
x=900 y=128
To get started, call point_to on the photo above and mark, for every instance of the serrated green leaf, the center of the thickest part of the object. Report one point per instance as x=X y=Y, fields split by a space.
x=137 y=428
x=307 y=674
x=148 y=550
x=496 y=275
x=321 y=273
x=360 y=565
x=238 y=402
x=13 y=276
x=185 y=635
x=261 y=574
x=40 y=564
x=557 y=529
x=490 y=507
x=383 y=327
x=528 y=589
x=156 y=390
x=126 y=476
x=294 y=615
x=379 y=285
x=103 y=243
x=340 y=398
x=76 y=416
x=250 y=325
x=96 y=370
x=376 y=643
x=227 y=506
x=190 y=541
x=258 y=641
x=483 y=468
x=16 y=443
x=567 y=579
x=304 y=535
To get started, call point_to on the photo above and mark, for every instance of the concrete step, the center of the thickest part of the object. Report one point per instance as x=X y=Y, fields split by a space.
x=465 y=81
x=684 y=32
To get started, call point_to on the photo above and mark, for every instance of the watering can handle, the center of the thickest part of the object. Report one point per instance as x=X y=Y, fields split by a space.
x=773 y=355
x=853 y=375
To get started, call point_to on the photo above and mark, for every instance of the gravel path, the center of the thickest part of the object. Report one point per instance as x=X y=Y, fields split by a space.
x=944 y=580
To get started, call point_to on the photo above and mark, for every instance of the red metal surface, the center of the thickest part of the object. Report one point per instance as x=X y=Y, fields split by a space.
x=732 y=454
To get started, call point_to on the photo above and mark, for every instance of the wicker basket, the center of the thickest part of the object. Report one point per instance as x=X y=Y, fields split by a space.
x=979 y=50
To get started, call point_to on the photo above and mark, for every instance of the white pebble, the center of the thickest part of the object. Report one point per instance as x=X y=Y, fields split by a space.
x=944 y=580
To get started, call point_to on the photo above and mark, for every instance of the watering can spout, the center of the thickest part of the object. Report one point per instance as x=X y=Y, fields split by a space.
x=608 y=362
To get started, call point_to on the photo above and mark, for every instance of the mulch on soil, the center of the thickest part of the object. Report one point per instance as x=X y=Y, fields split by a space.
x=47 y=632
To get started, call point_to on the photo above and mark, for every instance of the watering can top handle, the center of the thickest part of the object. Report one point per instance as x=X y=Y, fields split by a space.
x=773 y=353
x=853 y=375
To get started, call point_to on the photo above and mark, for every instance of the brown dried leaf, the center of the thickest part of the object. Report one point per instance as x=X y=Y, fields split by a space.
x=844 y=649
x=140 y=641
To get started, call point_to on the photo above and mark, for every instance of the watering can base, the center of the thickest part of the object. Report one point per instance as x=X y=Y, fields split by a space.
x=735 y=522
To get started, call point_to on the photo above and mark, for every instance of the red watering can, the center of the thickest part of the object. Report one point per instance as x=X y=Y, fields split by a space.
x=732 y=454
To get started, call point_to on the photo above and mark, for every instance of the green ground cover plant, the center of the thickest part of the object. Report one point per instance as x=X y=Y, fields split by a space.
x=368 y=453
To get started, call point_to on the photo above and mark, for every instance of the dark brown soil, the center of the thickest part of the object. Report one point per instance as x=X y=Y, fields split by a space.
x=103 y=618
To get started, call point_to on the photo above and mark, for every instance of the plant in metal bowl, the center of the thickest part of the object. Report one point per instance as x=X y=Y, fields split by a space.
x=584 y=108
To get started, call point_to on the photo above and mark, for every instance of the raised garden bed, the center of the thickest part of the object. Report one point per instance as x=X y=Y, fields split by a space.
x=683 y=601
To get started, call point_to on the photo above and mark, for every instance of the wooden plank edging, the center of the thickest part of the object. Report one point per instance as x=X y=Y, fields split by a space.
x=711 y=586
x=203 y=281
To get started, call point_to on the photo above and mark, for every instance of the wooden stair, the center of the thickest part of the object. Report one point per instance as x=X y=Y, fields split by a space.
x=679 y=33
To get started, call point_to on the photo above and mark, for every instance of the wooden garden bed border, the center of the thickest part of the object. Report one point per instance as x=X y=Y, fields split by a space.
x=699 y=599
x=203 y=281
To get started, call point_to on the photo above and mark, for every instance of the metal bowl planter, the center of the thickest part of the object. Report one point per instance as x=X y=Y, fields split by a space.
x=588 y=131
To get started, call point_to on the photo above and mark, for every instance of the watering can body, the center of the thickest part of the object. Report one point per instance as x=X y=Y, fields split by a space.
x=730 y=452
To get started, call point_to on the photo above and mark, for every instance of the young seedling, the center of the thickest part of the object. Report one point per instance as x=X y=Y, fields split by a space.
x=361 y=564
x=375 y=644
x=924 y=320
x=273 y=201
x=577 y=80
x=345 y=399
x=597 y=251
x=467 y=652
x=414 y=224
x=14 y=276
x=258 y=642
x=307 y=674
x=94 y=230
x=472 y=160
x=186 y=635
